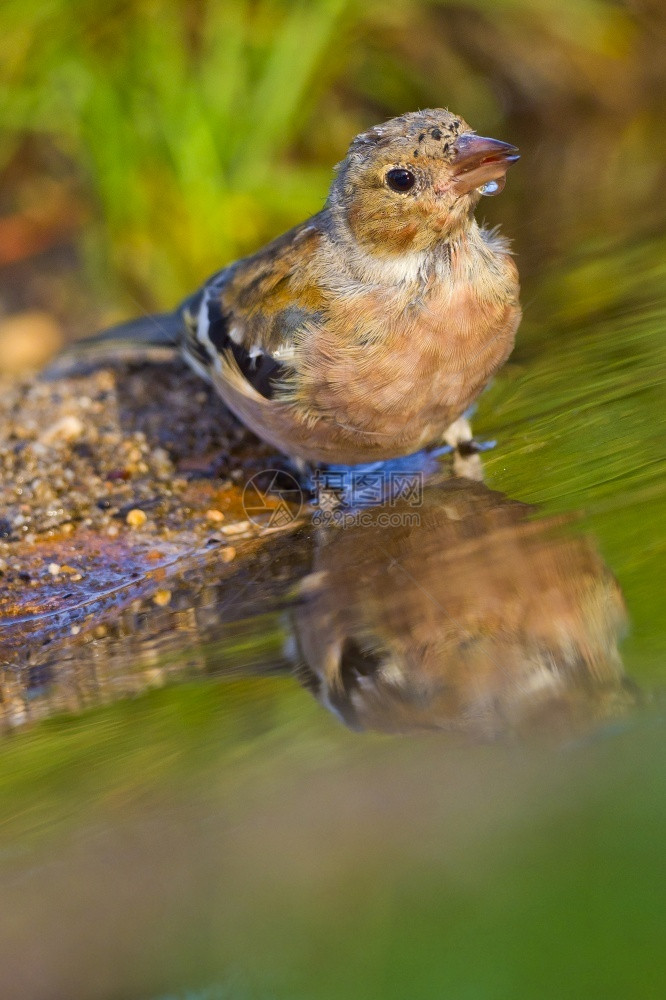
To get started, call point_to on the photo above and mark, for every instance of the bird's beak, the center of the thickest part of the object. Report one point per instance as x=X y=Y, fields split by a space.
x=478 y=160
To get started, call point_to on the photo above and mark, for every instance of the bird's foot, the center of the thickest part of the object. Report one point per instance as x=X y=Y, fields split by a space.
x=466 y=450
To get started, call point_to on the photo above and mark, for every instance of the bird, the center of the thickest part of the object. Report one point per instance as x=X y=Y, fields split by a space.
x=364 y=333
x=463 y=614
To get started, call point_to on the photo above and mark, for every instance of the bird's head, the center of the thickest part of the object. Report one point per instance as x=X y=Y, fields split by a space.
x=414 y=181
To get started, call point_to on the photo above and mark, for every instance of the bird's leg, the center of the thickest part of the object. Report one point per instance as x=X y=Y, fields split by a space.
x=460 y=432
x=321 y=487
x=301 y=467
x=467 y=462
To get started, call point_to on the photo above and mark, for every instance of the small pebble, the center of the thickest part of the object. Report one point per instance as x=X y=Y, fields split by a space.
x=161 y=598
x=136 y=518
x=228 y=554
x=215 y=515
x=54 y=569
x=68 y=428
x=240 y=528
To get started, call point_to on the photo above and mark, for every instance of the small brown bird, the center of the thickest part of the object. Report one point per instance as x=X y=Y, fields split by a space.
x=365 y=332
x=466 y=615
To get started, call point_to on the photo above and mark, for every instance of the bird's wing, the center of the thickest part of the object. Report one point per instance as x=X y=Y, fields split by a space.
x=246 y=319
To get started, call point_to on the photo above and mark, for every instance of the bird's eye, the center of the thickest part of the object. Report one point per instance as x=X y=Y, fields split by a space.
x=400 y=179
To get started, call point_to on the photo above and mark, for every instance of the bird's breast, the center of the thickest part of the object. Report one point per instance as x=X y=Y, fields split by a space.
x=410 y=355
x=384 y=371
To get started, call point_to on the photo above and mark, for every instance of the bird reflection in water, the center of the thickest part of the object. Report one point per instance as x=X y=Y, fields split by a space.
x=454 y=609
x=472 y=617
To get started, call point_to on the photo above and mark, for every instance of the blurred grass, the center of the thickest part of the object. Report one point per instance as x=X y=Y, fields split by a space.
x=193 y=132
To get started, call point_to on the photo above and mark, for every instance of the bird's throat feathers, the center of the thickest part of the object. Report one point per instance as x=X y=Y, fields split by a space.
x=471 y=255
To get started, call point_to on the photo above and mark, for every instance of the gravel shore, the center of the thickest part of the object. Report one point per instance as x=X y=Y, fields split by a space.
x=109 y=480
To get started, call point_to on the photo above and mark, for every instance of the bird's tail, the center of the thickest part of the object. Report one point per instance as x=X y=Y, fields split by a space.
x=148 y=338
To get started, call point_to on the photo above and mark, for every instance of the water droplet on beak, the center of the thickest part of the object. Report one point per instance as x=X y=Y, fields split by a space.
x=490 y=188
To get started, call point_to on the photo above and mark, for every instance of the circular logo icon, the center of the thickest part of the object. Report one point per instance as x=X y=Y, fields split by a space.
x=272 y=498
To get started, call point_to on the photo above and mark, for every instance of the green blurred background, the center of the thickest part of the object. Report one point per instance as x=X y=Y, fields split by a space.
x=156 y=140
